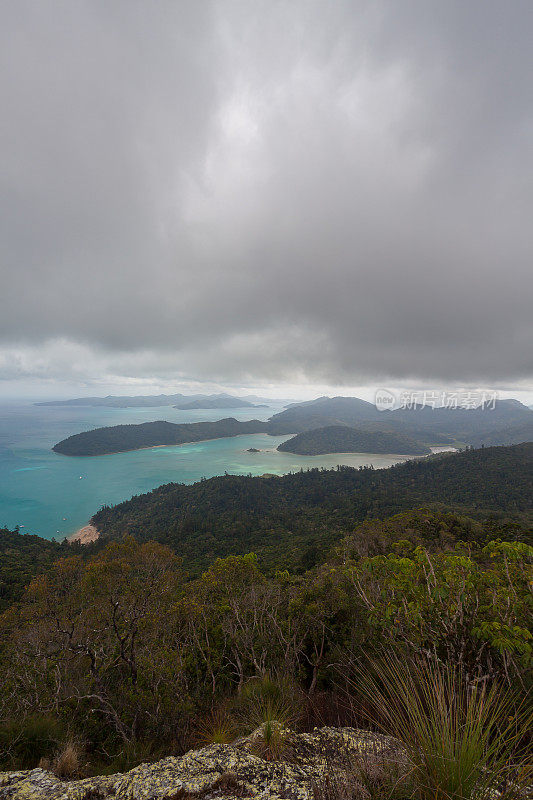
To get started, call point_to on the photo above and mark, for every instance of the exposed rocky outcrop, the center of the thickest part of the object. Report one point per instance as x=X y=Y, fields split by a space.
x=216 y=771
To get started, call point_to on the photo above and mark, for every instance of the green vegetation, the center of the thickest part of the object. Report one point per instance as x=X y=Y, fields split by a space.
x=23 y=556
x=292 y=521
x=432 y=426
x=456 y=739
x=126 y=654
x=120 y=438
x=343 y=439
x=512 y=434
x=132 y=649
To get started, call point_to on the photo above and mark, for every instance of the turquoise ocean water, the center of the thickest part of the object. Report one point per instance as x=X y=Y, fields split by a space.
x=53 y=495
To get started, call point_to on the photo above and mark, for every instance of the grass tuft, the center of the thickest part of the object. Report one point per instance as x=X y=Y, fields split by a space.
x=462 y=741
x=67 y=764
x=217 y=728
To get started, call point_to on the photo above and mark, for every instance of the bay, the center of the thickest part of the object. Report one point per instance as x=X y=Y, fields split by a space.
x=54 y=495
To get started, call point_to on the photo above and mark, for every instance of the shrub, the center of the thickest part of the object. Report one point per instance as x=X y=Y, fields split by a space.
x=23 y=743
x=266 y=701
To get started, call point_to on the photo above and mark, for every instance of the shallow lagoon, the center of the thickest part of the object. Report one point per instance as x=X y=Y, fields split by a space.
x=54 y=495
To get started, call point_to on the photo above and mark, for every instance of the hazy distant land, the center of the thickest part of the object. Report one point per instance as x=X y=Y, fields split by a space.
x=181 y=401
x=405 y=431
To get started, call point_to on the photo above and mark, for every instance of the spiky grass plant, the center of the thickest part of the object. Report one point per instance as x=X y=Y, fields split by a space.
x=270 y=742
x=461 y=740
x=266 y=708
x=264 y=700
x=217 y=727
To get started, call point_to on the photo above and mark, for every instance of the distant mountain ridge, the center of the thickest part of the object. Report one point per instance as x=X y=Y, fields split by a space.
x=426 y=425
x=511 y=434
x=181 y=401
x=223 y=401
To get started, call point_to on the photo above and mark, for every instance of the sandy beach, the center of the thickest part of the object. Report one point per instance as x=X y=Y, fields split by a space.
x=85 y=535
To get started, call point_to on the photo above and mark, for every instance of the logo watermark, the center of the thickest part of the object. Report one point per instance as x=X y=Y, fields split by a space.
x=484 y=399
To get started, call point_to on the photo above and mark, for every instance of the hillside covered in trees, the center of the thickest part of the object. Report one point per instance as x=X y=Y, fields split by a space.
x=291 y=520
x=120 y=438
x=205 y=611
x=119 y=656
x=511 y=434
x=428 y=426
x=22 y=556
x=343 y=439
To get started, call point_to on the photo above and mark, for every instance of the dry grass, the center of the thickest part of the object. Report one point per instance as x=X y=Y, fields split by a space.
x=67 y=764
x=364 y=778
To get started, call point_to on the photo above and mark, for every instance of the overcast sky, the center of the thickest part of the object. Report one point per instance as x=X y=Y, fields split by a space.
x=266 y=193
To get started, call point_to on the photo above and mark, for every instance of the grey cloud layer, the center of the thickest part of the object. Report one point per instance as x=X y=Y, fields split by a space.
x=339 y=191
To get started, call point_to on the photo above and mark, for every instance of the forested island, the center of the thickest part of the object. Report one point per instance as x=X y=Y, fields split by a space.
x=222 y=401
x=121 y=438
x=432 y=426
x=509 y=422
x=343 y=439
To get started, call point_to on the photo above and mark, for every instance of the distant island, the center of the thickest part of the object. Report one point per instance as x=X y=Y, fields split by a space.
x=343 y=439
x=224 y=401
x=181 y=401
x=121 y=438
x=326 y=423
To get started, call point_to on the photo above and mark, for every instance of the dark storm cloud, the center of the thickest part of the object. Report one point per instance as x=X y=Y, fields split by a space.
x=267 y=190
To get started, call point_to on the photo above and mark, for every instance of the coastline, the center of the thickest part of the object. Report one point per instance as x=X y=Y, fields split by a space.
x=85 y=535
x=177 y=444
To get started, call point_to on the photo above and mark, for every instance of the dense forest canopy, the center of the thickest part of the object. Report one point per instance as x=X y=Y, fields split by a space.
x=343 y=439
x=120 y=438
x=294 y=517
x=294 y=520
x=21 y=557
x=122 y=650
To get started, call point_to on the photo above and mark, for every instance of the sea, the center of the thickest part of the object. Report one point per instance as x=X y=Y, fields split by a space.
x=53 y=495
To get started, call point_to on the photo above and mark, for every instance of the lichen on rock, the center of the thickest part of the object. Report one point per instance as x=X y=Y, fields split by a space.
x=216 y=771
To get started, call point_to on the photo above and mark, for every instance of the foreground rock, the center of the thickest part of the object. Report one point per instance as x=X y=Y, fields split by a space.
x=216 y=771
